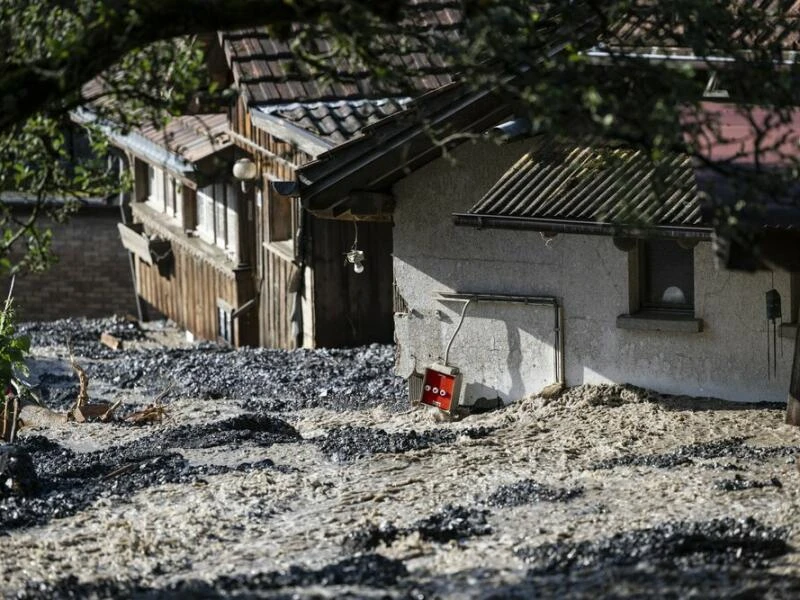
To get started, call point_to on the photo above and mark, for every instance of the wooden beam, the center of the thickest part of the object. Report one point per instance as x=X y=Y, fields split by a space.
x=134 y=241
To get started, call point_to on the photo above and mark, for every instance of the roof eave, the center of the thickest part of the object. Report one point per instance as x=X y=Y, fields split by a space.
x=544 y=225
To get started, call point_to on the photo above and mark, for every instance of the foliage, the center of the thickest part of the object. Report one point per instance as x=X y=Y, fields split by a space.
x=14 y=348
x=634 y=71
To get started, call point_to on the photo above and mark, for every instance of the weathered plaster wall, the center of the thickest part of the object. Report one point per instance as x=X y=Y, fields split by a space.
x=507 y=350
x=92 y=277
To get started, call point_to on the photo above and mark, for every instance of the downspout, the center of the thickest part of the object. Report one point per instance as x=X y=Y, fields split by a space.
x=552 y=301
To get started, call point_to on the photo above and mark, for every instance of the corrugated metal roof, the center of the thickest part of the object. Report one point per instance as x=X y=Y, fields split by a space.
x=337 y=121
x=584 y=183
x=267 y=71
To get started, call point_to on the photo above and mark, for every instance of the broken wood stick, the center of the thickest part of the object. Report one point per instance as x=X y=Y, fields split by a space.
x=111 y=341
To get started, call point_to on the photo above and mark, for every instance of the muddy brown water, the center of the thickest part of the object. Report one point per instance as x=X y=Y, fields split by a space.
x=296 y=478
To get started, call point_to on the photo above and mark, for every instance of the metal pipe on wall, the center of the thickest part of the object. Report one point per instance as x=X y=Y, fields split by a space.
x=558 y=315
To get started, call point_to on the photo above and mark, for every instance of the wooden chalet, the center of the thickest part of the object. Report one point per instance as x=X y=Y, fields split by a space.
x=243 y=261
x=187 y=231
x=309 y=295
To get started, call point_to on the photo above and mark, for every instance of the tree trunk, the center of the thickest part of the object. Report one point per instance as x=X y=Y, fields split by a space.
x=793 y=401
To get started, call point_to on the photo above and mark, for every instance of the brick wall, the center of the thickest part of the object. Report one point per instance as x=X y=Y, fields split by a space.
x=91 y=278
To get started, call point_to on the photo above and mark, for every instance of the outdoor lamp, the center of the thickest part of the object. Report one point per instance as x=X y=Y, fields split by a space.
x=246 y=171
x=356 y=258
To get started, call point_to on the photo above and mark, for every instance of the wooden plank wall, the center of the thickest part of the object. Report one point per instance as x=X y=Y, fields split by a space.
x=274 y=269
x=348 y=309
x=188 y=295
x=352 y=309
x=276 y=302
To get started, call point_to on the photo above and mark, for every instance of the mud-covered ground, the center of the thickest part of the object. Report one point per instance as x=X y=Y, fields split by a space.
x=307 y=475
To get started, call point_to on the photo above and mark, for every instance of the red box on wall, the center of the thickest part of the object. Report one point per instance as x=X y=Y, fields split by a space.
x=441 y=387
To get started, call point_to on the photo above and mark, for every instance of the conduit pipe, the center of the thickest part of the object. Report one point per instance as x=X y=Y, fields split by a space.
x=558 y=319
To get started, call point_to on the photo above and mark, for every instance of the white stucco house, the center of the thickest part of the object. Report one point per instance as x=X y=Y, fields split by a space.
x=547 y=260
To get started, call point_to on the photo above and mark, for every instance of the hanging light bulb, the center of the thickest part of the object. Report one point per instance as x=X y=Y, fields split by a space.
x=355 y=257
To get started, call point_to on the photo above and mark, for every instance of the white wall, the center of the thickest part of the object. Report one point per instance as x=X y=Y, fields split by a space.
x=507 y=350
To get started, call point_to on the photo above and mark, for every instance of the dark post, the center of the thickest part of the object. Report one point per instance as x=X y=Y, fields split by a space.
x=793 y=401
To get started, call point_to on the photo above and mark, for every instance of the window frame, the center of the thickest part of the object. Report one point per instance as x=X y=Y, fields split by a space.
x=217 y=218
x=643 y=315
x=646 y=250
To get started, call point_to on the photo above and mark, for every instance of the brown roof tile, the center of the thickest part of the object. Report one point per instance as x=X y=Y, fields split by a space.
x=268 y=73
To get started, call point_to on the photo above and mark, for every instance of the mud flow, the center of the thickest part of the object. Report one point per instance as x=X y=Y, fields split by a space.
x=308 y=474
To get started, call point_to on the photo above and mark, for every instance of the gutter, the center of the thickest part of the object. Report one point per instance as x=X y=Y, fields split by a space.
x=605 y=57
x=579 y=227
x=138 y=145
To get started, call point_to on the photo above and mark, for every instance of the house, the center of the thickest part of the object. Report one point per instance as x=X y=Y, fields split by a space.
x=319 y=281
x=239 y=260
x=186 y=230
x=547 y=260
x=90 y=275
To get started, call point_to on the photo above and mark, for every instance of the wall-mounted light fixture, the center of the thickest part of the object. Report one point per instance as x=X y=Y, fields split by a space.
x=246 y=171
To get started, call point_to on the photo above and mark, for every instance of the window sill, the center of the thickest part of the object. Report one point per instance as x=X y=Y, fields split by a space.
x=650 y=321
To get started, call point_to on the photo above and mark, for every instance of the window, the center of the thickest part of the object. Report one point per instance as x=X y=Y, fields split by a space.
x=283 y=218
x=155 y=188
x=661 y=286
x=217 y=216
x=667 y=276
x=224 y=321
x=173 y=197
x=164 y=193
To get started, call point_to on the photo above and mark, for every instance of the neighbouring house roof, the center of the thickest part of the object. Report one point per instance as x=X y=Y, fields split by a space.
x=267 y=72
x=336 y=121
x=192 y=137
x=386 y=151
x=316 y=127
x=289 y=101
x=558 y=186
x=758 y=24
x=177 y=147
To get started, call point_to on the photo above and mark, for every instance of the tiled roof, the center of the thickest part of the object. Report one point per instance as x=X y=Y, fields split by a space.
x=592 y=184
x=267 y=72
x=192 y=137
x=337 y=121
x=753 y=23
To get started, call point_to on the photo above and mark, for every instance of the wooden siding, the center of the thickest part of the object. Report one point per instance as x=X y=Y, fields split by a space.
x=187 y=289
x=341 y=307
x=352 y=309
x=276 y=301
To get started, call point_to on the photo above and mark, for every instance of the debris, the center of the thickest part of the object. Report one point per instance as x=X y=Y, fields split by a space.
x=349 y=443
x=739 y=483
x=678 y=545
x=554 y=390
x=449 y=523
x=17 y=474
x=153 y=413
x=111 y=341
x=82 y=411
x=528 y=491
x=733 y=447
